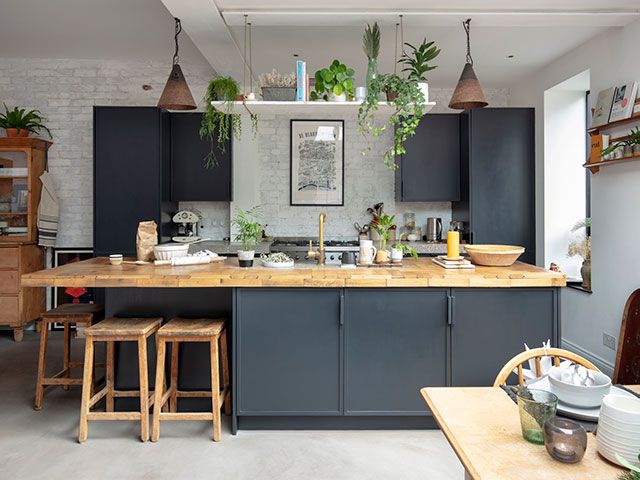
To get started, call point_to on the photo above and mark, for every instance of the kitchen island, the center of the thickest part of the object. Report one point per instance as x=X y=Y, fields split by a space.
x=326 y=347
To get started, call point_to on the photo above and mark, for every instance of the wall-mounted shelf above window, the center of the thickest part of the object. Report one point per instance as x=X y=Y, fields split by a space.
x=297 y=108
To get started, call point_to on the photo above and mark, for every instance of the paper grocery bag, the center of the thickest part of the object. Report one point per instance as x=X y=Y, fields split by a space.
x=146 y=238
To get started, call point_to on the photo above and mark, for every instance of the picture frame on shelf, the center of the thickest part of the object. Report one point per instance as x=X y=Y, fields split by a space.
x=317 y=163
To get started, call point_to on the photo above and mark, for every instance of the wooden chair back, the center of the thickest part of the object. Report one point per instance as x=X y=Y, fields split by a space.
x=537 y=353
x=627 y=370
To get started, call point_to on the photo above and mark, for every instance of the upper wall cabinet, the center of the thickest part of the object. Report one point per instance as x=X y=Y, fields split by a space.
x=430 y=170
x=190 y=180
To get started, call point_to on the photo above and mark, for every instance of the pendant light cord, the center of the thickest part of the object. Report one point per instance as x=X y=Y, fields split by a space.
x=176 y=57
x=395 y=52
x=401 y=35
x=467 y=27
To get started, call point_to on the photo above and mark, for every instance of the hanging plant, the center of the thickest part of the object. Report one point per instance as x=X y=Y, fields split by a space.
x=218 y=124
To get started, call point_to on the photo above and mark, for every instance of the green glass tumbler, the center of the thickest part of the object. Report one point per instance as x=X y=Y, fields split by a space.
x=535 y=407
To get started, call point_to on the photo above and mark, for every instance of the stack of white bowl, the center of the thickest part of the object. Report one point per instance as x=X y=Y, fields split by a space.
x=619 y=428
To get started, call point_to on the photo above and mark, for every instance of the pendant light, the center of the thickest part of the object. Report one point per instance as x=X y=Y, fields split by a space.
x=468 y=93
x=176 y=94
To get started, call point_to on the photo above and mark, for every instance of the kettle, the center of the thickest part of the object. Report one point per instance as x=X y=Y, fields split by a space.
x=434 y=229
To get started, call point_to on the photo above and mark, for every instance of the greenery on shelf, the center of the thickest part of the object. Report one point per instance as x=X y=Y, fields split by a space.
x=32 y=120
x=405 y=249
x=336 y=79
x=249 y=227
x=630 y=141
x=416 y=62
x=371 y=41
x=382 y=224
x=217 y=125
x=632 y=474
x=409 y=108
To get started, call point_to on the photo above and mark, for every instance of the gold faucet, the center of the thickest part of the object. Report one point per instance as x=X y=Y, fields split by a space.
x=318 y=254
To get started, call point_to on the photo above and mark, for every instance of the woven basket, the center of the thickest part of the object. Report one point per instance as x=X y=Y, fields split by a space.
x=279 y=94
x=494 y=255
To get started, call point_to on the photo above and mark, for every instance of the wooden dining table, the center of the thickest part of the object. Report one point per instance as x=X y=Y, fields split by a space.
x=482 y=425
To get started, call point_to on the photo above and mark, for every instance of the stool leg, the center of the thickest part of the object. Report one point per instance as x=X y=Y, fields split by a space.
x=225 y=371
x=144 y=389
x=44 y=333
x=159 y=389
x=215 y=389
x=66 y=353
x=173 y=399
x=109 y=374
x=86 y=389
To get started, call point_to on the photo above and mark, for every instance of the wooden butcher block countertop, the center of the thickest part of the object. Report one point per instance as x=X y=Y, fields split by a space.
x=98 y=272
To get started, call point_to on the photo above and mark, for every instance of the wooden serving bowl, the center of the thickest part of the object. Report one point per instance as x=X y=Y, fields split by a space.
x=494 y=255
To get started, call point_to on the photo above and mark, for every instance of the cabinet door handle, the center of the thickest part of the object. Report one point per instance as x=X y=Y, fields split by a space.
x=450 y=300
x=341 y=308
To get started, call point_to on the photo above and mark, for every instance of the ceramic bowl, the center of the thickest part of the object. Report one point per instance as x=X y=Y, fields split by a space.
x=622 y=409
x=170 y=250
x=579 y=395
x=494 y=255
x=116 y=259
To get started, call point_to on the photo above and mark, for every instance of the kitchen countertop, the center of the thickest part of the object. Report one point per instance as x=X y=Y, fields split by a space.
x=98 y=272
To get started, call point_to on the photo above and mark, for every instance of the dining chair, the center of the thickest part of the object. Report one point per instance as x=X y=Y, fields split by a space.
x=537 y=353
x=627 y=369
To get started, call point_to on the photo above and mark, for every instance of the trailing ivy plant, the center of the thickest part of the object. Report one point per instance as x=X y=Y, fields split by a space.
x=218 y=124
x=408 y=110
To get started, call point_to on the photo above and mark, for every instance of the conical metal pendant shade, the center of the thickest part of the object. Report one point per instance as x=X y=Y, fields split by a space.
x=176 y=94
x=468 y=93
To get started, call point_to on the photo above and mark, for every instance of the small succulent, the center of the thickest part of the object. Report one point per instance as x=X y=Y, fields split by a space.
x=276 y=79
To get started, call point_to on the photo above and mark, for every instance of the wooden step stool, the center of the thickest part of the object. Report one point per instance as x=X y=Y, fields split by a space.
x=79 y=314
x=191 y=330
x=117 y=330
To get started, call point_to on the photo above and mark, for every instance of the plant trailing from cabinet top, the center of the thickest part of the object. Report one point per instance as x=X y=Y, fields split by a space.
x=416 y=62
x=248 y=225
x=218 y=125
x=31 y=121
x=336 y=80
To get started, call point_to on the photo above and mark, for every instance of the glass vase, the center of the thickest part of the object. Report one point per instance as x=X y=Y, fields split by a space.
x=372 y=70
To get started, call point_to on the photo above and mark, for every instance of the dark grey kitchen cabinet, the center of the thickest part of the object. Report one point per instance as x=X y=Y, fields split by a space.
x=490 y=326
x=190 y=180
x=497 y=197
x=131 y=176
x=288 y=351
x=430 y=169
x=395 y=344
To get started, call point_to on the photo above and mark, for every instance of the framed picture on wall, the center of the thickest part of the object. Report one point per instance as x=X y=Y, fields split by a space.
x=317 y=163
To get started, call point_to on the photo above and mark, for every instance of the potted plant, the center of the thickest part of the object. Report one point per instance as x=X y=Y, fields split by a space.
x=408 y=109
x=219 y=124
x=416 y=63
x=400 y=249
x=278 y=87
x=20 y=123
x=249 y=233
x=334 y=83
x=630 y=145
x=382 y=224
x=582 y=248
x=371 y=47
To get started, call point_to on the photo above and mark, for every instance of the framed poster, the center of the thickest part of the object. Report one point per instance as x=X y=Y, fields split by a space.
x=317 y=163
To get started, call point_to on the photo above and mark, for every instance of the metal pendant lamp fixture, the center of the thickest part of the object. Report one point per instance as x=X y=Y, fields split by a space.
x=468 y=93
x=176 y=94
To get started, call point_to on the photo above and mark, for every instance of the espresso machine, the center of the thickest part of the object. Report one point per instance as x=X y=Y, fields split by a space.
x=187 y=222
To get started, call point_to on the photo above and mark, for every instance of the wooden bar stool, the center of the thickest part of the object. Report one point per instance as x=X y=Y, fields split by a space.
x=79 y=314
x=117 y=330
x=191 y=330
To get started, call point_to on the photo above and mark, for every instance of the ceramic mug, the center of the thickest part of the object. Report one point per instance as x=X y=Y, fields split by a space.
x=367 y=252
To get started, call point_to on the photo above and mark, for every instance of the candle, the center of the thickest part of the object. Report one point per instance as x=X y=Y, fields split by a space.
x=453 y=244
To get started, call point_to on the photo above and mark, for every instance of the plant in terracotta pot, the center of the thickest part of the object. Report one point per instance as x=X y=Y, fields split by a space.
x=249 y=233
x=582 y=247
x=20 y=123
x=334 y=83
x=416 y=63
x=382 y=225
x=400 y=249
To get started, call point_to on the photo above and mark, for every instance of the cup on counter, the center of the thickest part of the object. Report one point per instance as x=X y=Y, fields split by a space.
x=115 y=259
x=367 y=252
x=348 y=260
x=535 y=407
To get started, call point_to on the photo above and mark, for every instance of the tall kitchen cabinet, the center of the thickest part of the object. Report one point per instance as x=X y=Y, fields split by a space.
x=497 y=177
x=132 y=176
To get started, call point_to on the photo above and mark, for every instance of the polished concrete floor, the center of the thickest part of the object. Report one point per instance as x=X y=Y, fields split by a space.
x=35 y=445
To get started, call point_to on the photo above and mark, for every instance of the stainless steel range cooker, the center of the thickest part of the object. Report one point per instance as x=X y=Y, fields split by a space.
x=297 y=249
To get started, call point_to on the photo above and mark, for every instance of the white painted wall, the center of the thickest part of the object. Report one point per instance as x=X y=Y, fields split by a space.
x=615 y=195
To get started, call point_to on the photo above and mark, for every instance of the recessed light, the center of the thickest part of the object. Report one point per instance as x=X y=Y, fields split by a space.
x=295 y=55
x=510 y=56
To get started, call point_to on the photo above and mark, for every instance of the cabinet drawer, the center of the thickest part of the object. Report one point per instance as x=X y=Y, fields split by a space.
x=8 y=310
x=9 y=281
x=9 y=257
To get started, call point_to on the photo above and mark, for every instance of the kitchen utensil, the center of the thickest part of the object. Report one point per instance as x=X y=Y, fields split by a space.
x=494 y=255
x=115 y=259
x=367 y=252
x=579 y=395
x=168 y=251
x=434 y=229
x=535 y=407
x=565 y=440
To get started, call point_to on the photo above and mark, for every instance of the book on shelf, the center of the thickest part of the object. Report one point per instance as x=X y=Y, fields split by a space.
x=623 y=102
x=603 y=107
x=13 y=172
x=598 y=143
x=301 y=81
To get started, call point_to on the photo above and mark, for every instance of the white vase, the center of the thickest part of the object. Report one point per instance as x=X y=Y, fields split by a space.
x=337 y=98
x=245 y=257
x=424 y=88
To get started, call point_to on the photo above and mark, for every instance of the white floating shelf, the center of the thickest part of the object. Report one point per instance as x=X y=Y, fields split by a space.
x=294 y=108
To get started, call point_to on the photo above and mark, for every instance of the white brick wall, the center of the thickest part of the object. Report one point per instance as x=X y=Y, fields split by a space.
x=66 y=91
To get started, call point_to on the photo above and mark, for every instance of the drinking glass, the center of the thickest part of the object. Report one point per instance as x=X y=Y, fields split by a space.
x=535 y=407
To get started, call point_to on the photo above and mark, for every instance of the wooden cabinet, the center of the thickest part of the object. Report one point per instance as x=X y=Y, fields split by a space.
x=190 y=180
x=430 y=169
x=19 y=306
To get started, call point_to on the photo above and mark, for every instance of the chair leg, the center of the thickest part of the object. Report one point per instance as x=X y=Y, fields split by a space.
x=225 y=371
x=44 y=332
x=109 y=375
x=67 y=353
x=144 y=389
x=173 y=399
x=86 y=389
x=159 y=389
x=215 y=389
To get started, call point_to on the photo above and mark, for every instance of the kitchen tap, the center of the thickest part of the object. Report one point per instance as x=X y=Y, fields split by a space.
x=318 y=254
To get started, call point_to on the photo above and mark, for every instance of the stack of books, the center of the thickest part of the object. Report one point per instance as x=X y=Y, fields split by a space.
x=453 y=263
x=615 y=103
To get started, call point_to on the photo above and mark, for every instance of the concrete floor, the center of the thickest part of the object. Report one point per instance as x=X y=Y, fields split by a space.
x=36 y=445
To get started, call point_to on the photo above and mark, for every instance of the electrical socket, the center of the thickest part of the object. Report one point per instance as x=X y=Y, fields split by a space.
x=608 y=340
